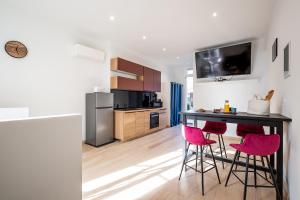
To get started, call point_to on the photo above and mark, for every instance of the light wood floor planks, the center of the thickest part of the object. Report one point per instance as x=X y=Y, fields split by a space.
x=148 y=168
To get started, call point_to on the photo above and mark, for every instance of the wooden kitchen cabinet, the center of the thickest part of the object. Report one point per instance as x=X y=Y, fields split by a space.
x=134 y=124
x=119 y=64
x=157 y=81
x=152 y=80
x=139 y=123
x=122 y=83
x=163 y=121
x=148 y=79
x=147 y=121
x=129 y=126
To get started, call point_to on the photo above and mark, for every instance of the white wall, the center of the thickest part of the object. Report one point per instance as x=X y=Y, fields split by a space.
x=210 y=95
x=41 y=158
x=285 y=27
x=50 y=80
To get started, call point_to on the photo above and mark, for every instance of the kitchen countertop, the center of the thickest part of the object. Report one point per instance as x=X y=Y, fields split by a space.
x=138 y=109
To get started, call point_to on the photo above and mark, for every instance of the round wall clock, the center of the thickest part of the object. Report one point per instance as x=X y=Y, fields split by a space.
x=16 y=49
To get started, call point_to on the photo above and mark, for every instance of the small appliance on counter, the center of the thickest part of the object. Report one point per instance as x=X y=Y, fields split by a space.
x=157 y=104
x=99 y=118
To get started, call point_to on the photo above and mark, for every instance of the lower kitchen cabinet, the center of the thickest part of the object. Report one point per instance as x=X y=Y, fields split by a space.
x=136 y=123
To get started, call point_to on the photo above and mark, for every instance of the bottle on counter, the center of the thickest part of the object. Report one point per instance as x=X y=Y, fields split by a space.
x=226 y=106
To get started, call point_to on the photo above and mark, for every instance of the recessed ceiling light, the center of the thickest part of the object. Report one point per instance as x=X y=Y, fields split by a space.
x=177 y=57
x=215 y=14
x=164 y=49
x=112 y=18
x=144 y=37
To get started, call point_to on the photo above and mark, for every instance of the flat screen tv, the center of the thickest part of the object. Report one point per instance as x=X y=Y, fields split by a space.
x=224 y=61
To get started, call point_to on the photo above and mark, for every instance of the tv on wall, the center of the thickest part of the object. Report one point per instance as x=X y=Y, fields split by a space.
x=224 y=61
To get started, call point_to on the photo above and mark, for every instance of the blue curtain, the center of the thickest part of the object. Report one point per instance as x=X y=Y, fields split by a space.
x=176 y=90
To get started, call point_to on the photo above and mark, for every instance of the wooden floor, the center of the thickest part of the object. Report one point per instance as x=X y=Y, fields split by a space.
x=148 y=168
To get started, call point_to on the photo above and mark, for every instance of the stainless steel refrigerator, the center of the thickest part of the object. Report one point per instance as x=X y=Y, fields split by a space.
x=99 y=118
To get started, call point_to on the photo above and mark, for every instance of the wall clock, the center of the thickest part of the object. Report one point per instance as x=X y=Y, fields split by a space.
x=16 y=49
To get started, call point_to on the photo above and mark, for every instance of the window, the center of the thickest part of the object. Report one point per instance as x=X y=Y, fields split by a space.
x=189 y=88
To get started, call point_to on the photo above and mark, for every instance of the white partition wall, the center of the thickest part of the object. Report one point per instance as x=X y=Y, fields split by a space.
x=41 y=158
x=14 y=113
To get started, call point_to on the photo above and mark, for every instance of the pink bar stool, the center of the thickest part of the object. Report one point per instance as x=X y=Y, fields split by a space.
x=256 y=145
x=217 y=128
x=244 y=129
x=194 y=136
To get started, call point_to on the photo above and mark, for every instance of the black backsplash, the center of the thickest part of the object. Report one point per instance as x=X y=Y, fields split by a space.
x=133 y=99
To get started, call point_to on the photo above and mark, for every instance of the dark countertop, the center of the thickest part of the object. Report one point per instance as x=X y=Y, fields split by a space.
x=238 y=115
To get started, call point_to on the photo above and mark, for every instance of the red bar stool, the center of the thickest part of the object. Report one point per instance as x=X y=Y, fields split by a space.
x=194 y=136
x=256 y=145
x=217 y=128
x=244 y=129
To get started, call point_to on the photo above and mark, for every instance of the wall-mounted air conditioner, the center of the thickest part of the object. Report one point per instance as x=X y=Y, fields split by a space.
x=88 y=53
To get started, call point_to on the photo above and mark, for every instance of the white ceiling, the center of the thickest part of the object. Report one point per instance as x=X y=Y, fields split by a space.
x=180 y=26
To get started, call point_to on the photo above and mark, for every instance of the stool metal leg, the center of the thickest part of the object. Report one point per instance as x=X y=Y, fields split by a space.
x=255 y=178
x=197 y=158
x=246 y=178
x=230 y=171
x=224 y=146
x=263 y=164
x=273 y=177
x=220 y=146
x=184 y=160
x=238 y=158
x=202 y=174
x=213 y=157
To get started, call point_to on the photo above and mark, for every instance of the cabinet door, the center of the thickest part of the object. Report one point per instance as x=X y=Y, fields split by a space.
x=148 y=79
x=119 y=64
x=129 y=125
x=157 y=81
x=162 y=120
x=147 y=121
x=139 y=124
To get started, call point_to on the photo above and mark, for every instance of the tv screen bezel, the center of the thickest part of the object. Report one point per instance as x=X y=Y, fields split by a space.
x=224 y=46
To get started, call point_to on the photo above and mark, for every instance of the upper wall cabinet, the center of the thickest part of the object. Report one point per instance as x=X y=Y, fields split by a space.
x=119 y=64
x=152 y=80
x=123 y=83
x=147 y=79
x=157 y=81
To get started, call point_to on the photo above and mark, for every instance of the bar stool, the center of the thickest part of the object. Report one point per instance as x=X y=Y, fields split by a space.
x=256 y=145
x=244 y=129
x=217 y=128
x=194 y=136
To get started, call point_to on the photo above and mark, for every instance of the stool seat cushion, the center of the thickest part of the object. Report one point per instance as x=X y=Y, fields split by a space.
x=215 y=127
x=258 y=145
x=243 y=129
x=195 y=136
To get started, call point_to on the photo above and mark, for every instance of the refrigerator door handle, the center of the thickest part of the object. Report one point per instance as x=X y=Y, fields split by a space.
x=104 y=107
